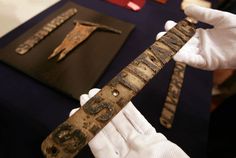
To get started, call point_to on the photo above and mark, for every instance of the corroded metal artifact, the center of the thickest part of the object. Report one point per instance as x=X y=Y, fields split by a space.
x=80 y=33
x=172 y=98
x=72 y=135
x=44 y=31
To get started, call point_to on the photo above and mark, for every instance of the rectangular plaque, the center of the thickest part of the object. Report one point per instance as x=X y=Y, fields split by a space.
x=80 y=70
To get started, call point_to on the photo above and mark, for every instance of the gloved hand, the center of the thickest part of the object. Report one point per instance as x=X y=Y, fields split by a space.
x=209 y=49
x=130 y=135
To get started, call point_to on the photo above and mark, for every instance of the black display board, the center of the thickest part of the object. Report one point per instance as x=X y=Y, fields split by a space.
x=80 y=70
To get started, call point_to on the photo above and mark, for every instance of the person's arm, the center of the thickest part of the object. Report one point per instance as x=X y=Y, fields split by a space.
x=209 y=49
x=130 y=135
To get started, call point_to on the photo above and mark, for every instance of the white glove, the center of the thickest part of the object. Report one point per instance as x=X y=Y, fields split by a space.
x=130 y=135
x=209 y=49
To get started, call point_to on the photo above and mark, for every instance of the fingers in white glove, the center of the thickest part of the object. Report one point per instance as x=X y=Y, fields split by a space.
x=217 y=44
x=137 y=120
x=116 y=139
x=93 y=92
x=128 y=134
x=73 y=111
x=133 y=118
x=124 y=127
x=102 y=144
x=195 y=60
x=102 y=147
x=84 y=98
x=127 y=123
x=189 y=53
x=207 y=15
x=160 y=34
x=140 y=142
x=167 y=149
x=169 y=25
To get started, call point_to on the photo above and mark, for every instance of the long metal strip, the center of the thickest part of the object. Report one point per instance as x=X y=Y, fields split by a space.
x=73 y=134
x=45 y=31
x=173 y=94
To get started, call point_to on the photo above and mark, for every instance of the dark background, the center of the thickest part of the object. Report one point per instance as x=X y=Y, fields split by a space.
x=30 y=110
x=221 y=132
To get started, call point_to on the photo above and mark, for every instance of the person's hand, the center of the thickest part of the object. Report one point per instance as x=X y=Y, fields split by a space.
x=213 y=48
x=130 y=135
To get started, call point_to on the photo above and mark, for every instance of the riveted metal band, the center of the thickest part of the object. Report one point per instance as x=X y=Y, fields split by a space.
x=45 y=31
x=97 y=112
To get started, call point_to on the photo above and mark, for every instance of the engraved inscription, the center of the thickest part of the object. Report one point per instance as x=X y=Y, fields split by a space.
x=172 y=41
x=163 y=55
x=120 y=79
x=144 y=59
x=44 y=31
x=179 y=34
x=138 y=73
x=96 y=105
x=69 y=138
x=186 y=28
x=172 y=98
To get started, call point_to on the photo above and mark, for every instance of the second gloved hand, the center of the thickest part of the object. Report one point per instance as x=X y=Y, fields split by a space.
x=130 y=135
x=209 y=49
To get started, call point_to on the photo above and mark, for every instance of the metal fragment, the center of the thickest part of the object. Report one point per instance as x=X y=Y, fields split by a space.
x=79 y=34
x=44 y=31
x=172 y=98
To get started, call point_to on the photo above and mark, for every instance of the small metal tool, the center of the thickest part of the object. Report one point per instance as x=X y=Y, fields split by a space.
x=79 y=34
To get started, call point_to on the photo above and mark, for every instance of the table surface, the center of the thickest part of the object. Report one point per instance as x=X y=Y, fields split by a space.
x=30 y=110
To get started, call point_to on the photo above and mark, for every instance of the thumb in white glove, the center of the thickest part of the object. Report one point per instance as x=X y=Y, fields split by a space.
x=209 y=49
x=130 y=135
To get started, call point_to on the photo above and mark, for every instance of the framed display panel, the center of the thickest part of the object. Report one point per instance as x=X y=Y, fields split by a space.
x=83 y=66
